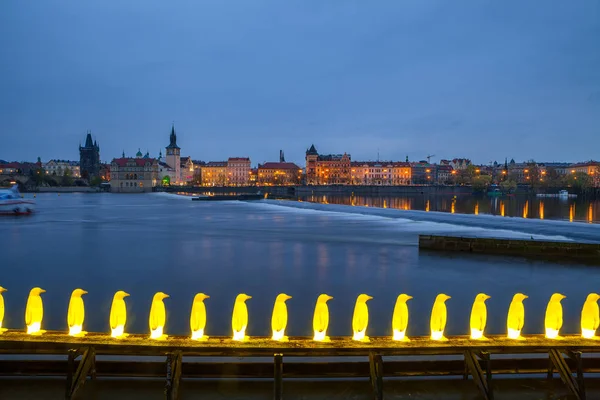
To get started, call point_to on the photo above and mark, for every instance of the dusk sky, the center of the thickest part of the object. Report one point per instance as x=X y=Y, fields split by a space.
x=476 y=79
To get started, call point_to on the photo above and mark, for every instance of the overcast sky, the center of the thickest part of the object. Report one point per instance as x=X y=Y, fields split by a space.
x=477 y=79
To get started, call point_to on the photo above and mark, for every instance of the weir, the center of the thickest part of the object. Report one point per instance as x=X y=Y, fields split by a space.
x=573 y=358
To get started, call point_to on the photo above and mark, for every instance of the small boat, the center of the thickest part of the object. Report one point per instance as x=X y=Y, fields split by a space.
x=12 y=203
x=563 y=193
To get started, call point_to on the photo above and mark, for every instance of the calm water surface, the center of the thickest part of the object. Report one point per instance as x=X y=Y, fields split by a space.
x=158 y=242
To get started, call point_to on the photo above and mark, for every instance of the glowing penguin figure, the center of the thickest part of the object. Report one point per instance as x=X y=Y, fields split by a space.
x=239 y=318
x=34 y=312
x=360 y=319
x=280 y=317
x=479 y=317
x=590 y=318
x=198 y=317
x=76 y=313
x=438 y=317
x=516 y=317
x=158 y=316
x=400 y=318
x=118 y=315
x=321 y=319
x=554 y=316
x=2 y=290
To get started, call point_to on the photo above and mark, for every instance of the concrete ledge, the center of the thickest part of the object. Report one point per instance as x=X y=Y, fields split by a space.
x=67 y=189
x=585 y=252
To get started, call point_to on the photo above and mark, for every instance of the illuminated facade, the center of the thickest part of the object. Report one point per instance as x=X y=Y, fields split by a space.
x=214 y=173
x=238 y=171
x=380 y=173
x=592 y=168
x=331 y=169
x=60 y=167
x=133 y=175
x=279 y=173
x=186 y=170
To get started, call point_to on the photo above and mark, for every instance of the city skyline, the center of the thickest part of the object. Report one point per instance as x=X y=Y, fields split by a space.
x=468 y=80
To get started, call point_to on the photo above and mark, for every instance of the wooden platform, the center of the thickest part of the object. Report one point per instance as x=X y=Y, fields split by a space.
x=419 y=357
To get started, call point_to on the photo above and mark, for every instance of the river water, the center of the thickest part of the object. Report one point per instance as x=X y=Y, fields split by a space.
x=161 y=242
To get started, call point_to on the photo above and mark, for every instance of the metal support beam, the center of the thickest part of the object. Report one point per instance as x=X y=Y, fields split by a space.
x=173 y=375
x=278 y=377
x=564 y=371
x=86 y=367
x=376 y=375
x=483 y=383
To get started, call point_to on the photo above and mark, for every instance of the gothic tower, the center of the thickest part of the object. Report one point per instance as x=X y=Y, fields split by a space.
x=311 y=165
x=89 y=158
x=173 y=155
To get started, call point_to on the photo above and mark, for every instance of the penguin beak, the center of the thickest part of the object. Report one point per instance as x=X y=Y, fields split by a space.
x=42 y=291
x=125 y=294
x=329 y=297
x=248 y=297
x=84 y=292
x=487 y=297
x=525 y=296
x=408 y=297
x=369 y=297
x=563 y=297
x=3 y=290
x=206 y=296
x=287 y=297
x=166 y=296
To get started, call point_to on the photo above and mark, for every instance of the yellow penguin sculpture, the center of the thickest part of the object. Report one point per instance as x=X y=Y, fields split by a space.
x=554 y=316
x=360 y=319
x=34 y=312
x=76 y=313
x=279 y=318
x=479 y=317
x=198 y=317
x=118 y=315
x=2 y=290
x=400 y=318
x=438 y=317
x=239 y=318
x=590 y=318
x=158 y=316
x=516 y=317
x=321 y=318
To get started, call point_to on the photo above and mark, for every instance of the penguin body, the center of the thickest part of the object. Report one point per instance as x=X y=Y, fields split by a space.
x=158 y=316
x=438 y=317
x=34 y=311
x=76 y=313
x=516 y=317
x=321 y=318
x=590 y=317
x=239 y=318
x=479 y=317
x=118 y=315
x=2 y=290
x=360 y=319
x=400 y=318
x=280 y=317
x=554 y=316
x=198 y=317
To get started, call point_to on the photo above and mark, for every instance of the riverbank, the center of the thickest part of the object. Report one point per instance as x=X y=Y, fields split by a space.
x=66 y=189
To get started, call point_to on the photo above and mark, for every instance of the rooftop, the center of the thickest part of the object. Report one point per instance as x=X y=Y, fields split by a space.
x=279 y=165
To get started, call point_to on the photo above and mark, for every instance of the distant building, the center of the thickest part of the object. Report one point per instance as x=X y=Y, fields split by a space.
x=62 y=167
x=133 y=175
x=423 y=173
x=186 y=168
x=279 y=173
x=592 y=168
x=327 y=169
x=445 y=174
x=214 y=173
x=173 y=157
x=89 y=159
x=238 y=171
x=380 y=173
x=459 y=163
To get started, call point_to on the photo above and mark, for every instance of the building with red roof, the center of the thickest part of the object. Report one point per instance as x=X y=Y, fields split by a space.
x=133 y=175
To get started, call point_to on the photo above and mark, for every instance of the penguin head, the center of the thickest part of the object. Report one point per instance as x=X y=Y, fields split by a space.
x=121 y=294
x=2 y=289
x=242 y=297
x=324 y=298
x=363 y=298
x=78 y=292
x=442 y=297
x=200 y=297
x=482 y=297
x=520 y=297
x=159 y=296
x=36 y=291
x=281 y=297
x=404 y=297
x=557 y=297
x=591 y=296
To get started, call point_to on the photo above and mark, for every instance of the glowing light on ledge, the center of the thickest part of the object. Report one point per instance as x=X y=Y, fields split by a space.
x=158 y=316
x=321 y=319
x=239 y=318
x=516 y=317
x=118 y=315
x=198 y=317
x=554 y=316
x=76 y=313
x=360 y=319
x=2 y=290
x=400 y=318
x=34 y=312
x=479 y=317
x=279 y=318
x=590 y=317
x=438 y=317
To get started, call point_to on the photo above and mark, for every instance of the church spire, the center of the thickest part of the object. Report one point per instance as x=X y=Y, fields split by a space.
x=172 y=139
